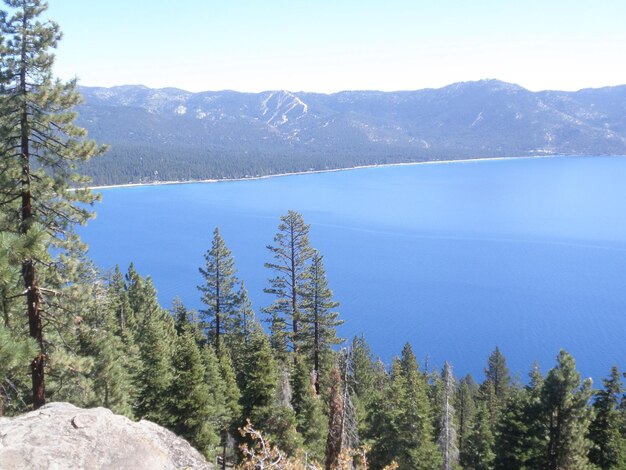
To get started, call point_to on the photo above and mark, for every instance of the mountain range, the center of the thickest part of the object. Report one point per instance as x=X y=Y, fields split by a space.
x=171 y=134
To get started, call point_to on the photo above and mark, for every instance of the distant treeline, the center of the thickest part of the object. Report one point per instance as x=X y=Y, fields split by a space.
x=137 y=163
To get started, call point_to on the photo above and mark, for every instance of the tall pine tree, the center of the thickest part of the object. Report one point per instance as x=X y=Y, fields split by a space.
x=218 y=289
x=608 y=450
x=41 y=149
x=190 y=405
x=319 y=321
x=567 y=415
x=291 y=252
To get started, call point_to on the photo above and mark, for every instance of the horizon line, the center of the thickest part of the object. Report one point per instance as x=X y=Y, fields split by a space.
x=139 y=85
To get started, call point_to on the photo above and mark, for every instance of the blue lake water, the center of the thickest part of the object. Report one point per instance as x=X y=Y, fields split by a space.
x=456 y=258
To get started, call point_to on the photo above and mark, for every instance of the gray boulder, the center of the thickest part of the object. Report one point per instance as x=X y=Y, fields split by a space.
x=61 y=436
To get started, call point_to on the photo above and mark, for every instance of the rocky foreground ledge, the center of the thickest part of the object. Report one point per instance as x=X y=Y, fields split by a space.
x=63 y=436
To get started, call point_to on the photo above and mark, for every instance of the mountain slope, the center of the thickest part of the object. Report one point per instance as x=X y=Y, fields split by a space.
x=173 y=134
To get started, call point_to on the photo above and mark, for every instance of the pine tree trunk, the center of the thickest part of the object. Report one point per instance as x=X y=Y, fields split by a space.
x=28 y=267
x=33 y=306
x=217 y=306
x=316 y=353
x=294 y=292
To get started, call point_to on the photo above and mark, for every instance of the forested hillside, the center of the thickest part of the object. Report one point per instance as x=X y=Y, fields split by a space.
x=170 y=134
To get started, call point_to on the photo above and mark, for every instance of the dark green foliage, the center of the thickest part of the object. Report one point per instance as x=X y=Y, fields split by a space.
x=291 y=252
x=497 y=373
x=466 y=397
x=400 y=419
x=243 y=324
x=515 y=441
x=478 y=452
x=113 y=384
x=418 y=449
x=218 y=290
x=319 y=321
x=213 y=378
x=366 y=381
x=496 y=386
x=41 y=148
x=190 y=405
x=120 y=307
x=231 y=419
x=364 y=369
x=260 y=376
x=232 y=395
x=14 y=358
x=606 y=432
x=155 y=340
x=566 y=412
x=310 y=420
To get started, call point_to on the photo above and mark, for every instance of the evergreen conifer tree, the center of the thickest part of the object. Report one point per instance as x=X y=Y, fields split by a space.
x=567 y=415
x=230 y=420
x=41 y=148
x=244 y=323
x=217 y=388
x=606 y=431
x=120 y=307
x=515 y=442
x=113 y=381
x=418 y=449
x=364 y=380
x=310 y=420
x=400 y=422
x=260 y=377
x=155 y=341
x=496 y=386
x=318 y=320
x=218 y=290
x=478 y=452
x=190 y=404
x=497 y=373
x=291 y=252
x=466 y=411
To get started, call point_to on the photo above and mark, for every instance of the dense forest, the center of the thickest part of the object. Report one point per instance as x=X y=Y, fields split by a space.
x=270 y=389
x=171 y=134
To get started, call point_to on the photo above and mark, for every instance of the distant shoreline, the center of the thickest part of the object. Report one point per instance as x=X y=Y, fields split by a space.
x=306 y=172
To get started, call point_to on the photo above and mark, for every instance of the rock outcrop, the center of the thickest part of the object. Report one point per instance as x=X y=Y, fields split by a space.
x=62 y=436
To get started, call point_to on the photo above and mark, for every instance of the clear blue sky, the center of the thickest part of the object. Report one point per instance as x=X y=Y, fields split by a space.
x=332 y=45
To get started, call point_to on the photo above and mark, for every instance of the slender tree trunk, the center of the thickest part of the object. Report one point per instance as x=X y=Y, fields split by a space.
x=28 y=266
x=294 y=292
x=217 y=306
x=316 y=349
x=5 y=311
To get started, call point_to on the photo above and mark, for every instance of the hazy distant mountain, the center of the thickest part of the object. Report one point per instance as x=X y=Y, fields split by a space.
x=174 y=134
